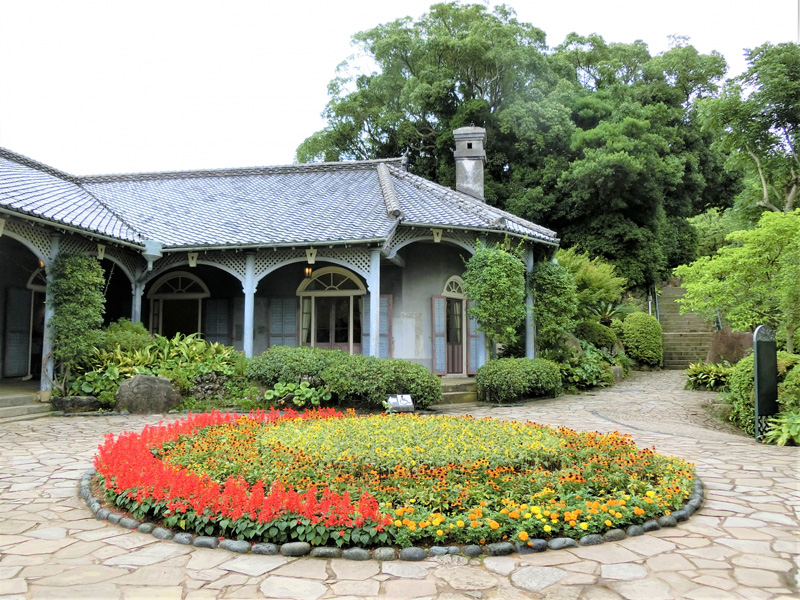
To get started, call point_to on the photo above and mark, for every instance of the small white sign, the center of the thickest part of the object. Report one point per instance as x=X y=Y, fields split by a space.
x=400 y=403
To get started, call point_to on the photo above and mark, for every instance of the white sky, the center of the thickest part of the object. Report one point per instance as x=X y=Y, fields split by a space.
x=108 y=86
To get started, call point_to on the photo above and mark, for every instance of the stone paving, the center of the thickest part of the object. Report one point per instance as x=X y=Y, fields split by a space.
x=743 y=543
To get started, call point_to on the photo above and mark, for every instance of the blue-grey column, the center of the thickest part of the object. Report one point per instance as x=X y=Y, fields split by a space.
x=374 y=301
x=249 y=302
x=137 y=291
x=47 y=338
x=530 y=330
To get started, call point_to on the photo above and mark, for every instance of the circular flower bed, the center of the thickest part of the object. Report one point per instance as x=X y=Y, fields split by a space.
x=326 y=477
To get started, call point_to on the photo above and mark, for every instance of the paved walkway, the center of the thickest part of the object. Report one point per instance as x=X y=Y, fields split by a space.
x=743 y=543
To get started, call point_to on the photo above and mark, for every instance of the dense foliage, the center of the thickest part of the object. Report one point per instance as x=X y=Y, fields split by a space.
x=514 y=379
x=752 y=281
x=328 y=478
x=78 y=303
x=596 y=283
x=705 y=376
x=555 y=303
x=597 y=141
x=596 y=333
x=494 y=281
x=643 y=338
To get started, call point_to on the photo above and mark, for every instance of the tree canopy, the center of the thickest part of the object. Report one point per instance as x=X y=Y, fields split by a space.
x=598 y=141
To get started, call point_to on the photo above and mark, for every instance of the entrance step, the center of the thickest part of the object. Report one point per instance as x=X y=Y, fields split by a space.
x=686 y=337
x=456 y=390
x=20 y=407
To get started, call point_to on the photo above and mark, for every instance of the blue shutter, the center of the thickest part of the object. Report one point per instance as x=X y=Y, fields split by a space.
x=385 y=331
x=283 y=321
x=472 y=347
x=18 y=331
x=217 y=328
x=439 y=334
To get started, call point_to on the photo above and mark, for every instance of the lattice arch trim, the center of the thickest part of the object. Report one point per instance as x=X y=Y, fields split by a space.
x=406 y=236
x=355 y=259
x=35 y=239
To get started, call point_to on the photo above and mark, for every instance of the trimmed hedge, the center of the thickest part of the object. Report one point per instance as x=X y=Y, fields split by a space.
x=356 y=380
x=596 y=333
x=642 y=335
x=511 y=379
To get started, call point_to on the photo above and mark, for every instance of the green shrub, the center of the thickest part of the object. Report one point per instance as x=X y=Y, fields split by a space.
x=126 y=336
x=708 y=376
x=282 y=364
x=299 y=394
x=359 y=380
x=556 y=303
x=412 y=378
x=619 y=329
x=596 y=281
x=511 y=379
x=591 y=368
x=789 y=391
x=642 y=335
x=596 y=333
x=741 y=383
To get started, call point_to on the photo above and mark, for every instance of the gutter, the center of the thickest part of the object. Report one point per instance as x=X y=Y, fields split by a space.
x=546 y=242
x=299 y=244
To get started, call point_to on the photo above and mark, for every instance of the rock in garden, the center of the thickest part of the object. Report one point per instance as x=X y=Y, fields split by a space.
x=76 y=404
x=267 y=549
x=593 y=539
x=614 y=535
x=667 y=521
x=142 y=394
x=499 y=549
x=562 y=542
x=326 y=552
x=651 y=525
x=239 y=546
x=413 y=553
x=205 y=541
x=356 y=554
x=129 y=523
x=296 y=549
x=472 y=550
x=161 y=533
x=532 y=546
x=437 y=550
x=384 y=554
x=146 y=528
x=634 y=530
x=184 y=538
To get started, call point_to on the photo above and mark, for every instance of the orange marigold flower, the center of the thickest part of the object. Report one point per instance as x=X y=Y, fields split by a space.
x=523 y=535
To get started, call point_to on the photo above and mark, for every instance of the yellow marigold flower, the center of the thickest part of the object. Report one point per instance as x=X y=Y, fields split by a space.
x=584 y=526
x=460 y=523
x=618 y=515
x=536 y=510
x=650 y=494
x=439 y=532
x=398 y=523
x=546 y=513
x=608 y=522
x=528 y=515
x=494 y=524
x=504 y=511
x=523 y=535
x=548 y=529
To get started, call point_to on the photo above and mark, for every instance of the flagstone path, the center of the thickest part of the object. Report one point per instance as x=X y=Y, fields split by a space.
x=743 y=543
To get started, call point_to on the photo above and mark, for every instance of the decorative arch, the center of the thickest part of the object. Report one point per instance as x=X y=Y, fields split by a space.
x=38 y=280
x=43 y=258
x=450 y=240
x=345 y=266
x=176 y=303
x=331 y=281
x=454 y=288
x=163 y=270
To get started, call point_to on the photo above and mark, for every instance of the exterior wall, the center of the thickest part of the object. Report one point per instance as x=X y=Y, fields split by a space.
x=427 y=268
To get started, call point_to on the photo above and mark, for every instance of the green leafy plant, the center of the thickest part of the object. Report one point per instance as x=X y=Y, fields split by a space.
x=282 y=364
x=513 y=379
x=495 y=282
x=556 y=302
x=596 y=281
x=783 y=429
x=643 y=338
x=587 y=369
x=299 y=394
x=708 y=376
x=596 y=333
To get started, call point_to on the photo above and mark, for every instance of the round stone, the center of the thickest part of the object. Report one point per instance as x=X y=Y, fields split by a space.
x=453 y=550
x=161 y=533
x=680 y=515
x=114 y=518
x=651 y=525
x=326 y=552
x=239 y=546
x=296 y=549
x=129 y=523
x=356 y=554
x=471 y=550
x=438 y=550
x=384 y=554
x=532 y=546
x=499 y=549
x=146 y=528
x=667 y=521
x=94 y=507
x=614 y=535
x=268 y=549
x=205 y=541
x=695 y=503
x=183 y=537
x=593 y=539
x=562 y=542
x=634 y=530
x=689 y=510
x=102 y=514
x=413 y=553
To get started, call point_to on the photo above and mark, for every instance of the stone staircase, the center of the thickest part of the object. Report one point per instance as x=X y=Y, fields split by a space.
x=459 y=389
x=21 y=405
x=687 y=338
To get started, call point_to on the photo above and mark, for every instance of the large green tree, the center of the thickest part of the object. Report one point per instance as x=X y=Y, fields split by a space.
x=757 y=120
x=597 y=141
x=752 y=281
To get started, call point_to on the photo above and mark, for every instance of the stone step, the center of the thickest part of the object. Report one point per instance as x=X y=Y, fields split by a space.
x=25 y=411
x=459 y=397
x=459 y=385
x=16 y=400
x=26 y=417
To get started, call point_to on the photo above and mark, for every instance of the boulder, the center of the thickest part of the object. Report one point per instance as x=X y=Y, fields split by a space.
x=76 y=404
x=143 y=394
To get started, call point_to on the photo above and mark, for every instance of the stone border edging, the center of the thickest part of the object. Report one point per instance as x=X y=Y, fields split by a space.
x=413 y=553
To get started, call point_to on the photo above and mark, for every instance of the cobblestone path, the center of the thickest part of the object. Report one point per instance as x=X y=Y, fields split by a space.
x=743 y=543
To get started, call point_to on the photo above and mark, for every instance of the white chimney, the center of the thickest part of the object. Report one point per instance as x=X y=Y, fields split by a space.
x=470 y=158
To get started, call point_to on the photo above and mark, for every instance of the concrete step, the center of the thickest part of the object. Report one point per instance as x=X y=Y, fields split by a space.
x=459 y=397
x=461 y=384
x=16 y=400
x=25 y=411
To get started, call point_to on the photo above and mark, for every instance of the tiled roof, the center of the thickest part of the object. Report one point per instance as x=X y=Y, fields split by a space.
x=34 y=189
x=260 y=206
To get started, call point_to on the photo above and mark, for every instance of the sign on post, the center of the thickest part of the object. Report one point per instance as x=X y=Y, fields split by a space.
x=765 y=355
x=400 y=403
